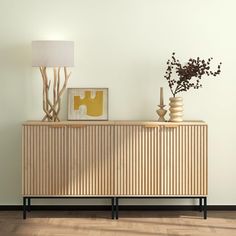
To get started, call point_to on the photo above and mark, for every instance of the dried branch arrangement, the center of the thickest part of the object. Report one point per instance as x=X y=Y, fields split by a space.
x=189 y=75
x=52 y=106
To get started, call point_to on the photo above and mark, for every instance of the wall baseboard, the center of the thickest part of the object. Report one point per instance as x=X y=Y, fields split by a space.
x=121 y=207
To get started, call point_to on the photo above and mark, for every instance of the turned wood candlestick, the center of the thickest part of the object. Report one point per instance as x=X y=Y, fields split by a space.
x=161 y=111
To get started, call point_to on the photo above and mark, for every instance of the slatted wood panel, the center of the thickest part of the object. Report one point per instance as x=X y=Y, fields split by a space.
x=90 y=158
x=161 y=161
x=64 y=161
x=45 y=166
x=107 y=159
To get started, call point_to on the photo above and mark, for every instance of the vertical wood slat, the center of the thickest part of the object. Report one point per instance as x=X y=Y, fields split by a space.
x=114 y=160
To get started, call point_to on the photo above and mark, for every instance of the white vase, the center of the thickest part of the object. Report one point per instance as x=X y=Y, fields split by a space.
x=176 y=109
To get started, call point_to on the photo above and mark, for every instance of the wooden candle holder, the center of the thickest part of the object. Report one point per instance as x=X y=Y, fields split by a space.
x=161 y=112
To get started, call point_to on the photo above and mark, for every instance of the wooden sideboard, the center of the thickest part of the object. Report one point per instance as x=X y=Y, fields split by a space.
x=114 y=159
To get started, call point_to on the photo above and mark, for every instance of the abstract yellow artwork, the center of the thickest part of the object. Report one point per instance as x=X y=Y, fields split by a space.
x=94 y=105
x=87 y=104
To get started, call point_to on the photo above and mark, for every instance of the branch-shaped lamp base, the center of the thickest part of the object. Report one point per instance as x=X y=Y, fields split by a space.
x=51 y=107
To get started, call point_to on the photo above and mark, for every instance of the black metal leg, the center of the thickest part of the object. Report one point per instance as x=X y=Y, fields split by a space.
x=205 y=207
x=200 y=204
x=117 y=208
x=24 y=208
x=29 y=205
x=112 y=207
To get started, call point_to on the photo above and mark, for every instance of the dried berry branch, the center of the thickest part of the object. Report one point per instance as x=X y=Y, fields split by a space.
x=189 y=75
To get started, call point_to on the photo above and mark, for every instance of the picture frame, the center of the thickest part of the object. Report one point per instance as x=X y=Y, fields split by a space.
x=87 y=104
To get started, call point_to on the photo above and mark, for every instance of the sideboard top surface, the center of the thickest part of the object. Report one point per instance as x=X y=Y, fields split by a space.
x=150 y=123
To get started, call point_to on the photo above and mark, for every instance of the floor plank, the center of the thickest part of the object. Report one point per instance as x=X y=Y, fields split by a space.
x=58 y=223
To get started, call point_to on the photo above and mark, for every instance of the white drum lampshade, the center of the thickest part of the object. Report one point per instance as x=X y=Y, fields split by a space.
x=51 y=53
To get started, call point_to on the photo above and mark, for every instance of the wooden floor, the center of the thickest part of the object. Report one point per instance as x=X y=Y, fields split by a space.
x=130 y=223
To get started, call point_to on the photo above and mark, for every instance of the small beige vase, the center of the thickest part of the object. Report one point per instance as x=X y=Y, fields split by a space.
x=176 y=109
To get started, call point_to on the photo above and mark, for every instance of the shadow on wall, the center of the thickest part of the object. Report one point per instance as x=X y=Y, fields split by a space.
x=15 y=91
x=10 y=163
x=17 y=57
x=16 y=81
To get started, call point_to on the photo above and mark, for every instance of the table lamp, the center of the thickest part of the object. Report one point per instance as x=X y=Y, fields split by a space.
x=57 y=55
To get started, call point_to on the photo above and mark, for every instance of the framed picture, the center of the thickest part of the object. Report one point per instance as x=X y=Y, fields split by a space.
x=87 y=103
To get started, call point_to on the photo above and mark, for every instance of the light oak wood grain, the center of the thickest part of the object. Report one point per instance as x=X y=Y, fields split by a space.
x=151 y=123
x=114 y=159
x=130 y=223
x=160 y=161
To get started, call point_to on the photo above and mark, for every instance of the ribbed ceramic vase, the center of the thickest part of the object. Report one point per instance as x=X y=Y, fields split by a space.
x=176 y=109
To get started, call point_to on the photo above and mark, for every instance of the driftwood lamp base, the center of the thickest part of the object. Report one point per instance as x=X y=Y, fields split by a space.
x=51 y=106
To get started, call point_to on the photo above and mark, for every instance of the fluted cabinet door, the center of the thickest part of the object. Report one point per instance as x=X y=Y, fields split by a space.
x=90 y=160
x=183 y=158
x=136 y=154
x=45 y=165
x=161 y=160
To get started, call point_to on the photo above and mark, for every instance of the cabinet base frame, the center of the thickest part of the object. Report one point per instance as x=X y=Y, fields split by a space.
x=27 y=203
x=201 y=207
x=115 y=203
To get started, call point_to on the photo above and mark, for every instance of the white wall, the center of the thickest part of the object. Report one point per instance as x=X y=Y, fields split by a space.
x=122 y=45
